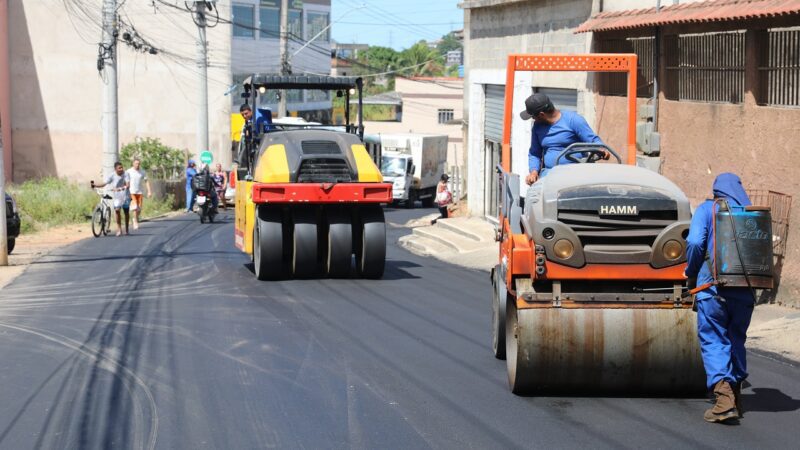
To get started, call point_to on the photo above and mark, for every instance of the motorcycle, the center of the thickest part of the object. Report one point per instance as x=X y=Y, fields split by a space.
x=205 y=206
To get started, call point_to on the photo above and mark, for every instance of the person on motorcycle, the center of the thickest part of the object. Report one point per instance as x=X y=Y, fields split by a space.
x=205 y=174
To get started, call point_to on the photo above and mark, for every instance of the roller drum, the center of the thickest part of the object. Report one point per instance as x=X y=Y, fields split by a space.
x=653 y=351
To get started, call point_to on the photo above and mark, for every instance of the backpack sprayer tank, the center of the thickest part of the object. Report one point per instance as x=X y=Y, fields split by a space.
x=743 y=246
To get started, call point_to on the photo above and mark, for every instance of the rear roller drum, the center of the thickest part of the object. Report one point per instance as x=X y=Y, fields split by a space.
x=268 y=244
x=499 y=296
x=558 y=350
x=304 y=261
x=340 y=243
x=371 y=243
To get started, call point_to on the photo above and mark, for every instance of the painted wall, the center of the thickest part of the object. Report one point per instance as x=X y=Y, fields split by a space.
x=56 y=90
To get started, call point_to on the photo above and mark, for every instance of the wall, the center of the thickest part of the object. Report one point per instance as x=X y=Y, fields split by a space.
x=56 y=91
x=421 y=101
x=494 y=32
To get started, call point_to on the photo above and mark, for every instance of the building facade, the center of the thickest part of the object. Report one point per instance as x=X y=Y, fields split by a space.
x=51 y=90
x=255 y=48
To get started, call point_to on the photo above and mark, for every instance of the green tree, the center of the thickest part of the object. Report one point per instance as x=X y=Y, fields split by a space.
x=421 y=60
x=159 y=160
x=449 y=42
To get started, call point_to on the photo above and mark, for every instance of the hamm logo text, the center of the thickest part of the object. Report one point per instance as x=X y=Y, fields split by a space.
x=618 y=210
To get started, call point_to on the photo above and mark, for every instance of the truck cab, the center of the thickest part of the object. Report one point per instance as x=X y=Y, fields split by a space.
x=398 y=168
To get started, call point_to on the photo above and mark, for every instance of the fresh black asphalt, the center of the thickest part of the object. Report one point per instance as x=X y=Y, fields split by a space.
x=165 y=339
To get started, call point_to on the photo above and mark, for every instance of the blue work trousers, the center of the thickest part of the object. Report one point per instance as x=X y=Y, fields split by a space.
x=722 y=322
x=189 y=198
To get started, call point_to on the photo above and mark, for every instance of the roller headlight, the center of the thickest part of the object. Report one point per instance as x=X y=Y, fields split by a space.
x=672 y=250
x=563 y=249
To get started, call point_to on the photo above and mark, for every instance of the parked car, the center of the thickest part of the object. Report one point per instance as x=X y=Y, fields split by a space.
x=12 y=222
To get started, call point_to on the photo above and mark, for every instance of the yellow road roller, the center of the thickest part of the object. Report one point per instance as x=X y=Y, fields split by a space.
x=587 y=289
x=308 y=194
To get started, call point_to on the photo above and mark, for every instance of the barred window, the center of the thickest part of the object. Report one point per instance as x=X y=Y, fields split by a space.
x=707 y=67
x=779 y=67
x=611 y=83
x=445 y=115
x=296 y=23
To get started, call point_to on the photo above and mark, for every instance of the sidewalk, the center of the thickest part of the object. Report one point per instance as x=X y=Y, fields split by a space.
x=469 y=242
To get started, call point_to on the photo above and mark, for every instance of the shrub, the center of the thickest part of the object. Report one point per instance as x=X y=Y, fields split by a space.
x=159 y=160
x=52 y=201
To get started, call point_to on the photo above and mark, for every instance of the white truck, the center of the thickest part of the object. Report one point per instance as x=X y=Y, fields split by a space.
x=413 y=163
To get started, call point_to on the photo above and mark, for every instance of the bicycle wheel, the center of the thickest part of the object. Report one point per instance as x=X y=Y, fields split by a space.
x=97 y=222
x=107 y=221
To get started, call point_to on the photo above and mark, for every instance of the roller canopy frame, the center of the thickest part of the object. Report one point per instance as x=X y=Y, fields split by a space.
x=591 y=62
x=325 y=83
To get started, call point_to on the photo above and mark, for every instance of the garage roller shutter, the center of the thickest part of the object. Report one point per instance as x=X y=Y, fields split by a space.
x=566 y=99
x=493 y=122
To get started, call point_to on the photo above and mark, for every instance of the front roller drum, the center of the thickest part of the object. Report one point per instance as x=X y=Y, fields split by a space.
x=371 y=242
x=268 y=244
x=555 y=350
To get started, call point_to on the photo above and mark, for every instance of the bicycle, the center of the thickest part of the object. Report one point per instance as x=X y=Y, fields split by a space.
x=101 y=217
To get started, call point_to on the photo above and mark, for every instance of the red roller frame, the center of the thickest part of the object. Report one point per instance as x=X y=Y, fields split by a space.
x=322 y=192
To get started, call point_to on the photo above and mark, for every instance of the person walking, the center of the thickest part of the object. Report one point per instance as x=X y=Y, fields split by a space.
x=190 y=173
x=723 y=313
x=118 y=184
x=220 y=184
x=135 y=177
x=443 y=198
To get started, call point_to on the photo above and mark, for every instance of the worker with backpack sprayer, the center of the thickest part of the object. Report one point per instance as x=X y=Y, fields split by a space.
x=729 y=253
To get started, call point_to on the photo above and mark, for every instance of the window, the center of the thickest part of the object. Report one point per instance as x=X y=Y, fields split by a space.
x=315 y=23
x=779 y=67
x=445 y=115
x=296 y=23
x=269 y=22
x=616 y=83
x=707 y=67
x=244 y=21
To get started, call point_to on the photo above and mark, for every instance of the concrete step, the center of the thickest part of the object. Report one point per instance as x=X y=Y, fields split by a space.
x=455 y=241
x=423 y=246
x=474 y=229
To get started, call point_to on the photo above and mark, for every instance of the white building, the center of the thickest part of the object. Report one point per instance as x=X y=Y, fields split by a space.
x=255 y=49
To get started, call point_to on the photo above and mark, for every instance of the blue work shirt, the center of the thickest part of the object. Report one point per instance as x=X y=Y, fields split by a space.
x=701 y=232
x=553 y=139
x=190 y=173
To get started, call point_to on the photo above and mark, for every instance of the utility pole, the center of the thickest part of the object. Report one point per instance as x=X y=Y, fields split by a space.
x=108 y=64
x=3 y=231
x=202 y=69
x=284 y=44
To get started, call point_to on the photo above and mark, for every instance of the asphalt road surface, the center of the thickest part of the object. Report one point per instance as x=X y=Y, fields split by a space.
x=165 y=339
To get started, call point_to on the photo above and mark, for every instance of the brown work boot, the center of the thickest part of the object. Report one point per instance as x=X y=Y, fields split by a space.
x=737 y=396
x=725 y=407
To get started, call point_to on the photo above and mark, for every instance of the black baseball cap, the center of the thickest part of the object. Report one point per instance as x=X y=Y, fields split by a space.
x=535 y=104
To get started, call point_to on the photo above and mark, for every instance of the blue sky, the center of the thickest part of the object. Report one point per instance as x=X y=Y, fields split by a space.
x=394 y=23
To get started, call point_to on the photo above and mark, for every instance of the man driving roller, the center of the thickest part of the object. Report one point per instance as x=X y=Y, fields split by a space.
x=553 y=131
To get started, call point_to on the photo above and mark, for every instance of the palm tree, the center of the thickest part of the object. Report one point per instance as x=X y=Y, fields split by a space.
x=421 y=60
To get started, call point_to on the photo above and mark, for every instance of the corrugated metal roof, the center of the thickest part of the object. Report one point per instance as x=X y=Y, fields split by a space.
x=699 y=12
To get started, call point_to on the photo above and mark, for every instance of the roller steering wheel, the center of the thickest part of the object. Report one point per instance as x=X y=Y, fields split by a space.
x=595 y=151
